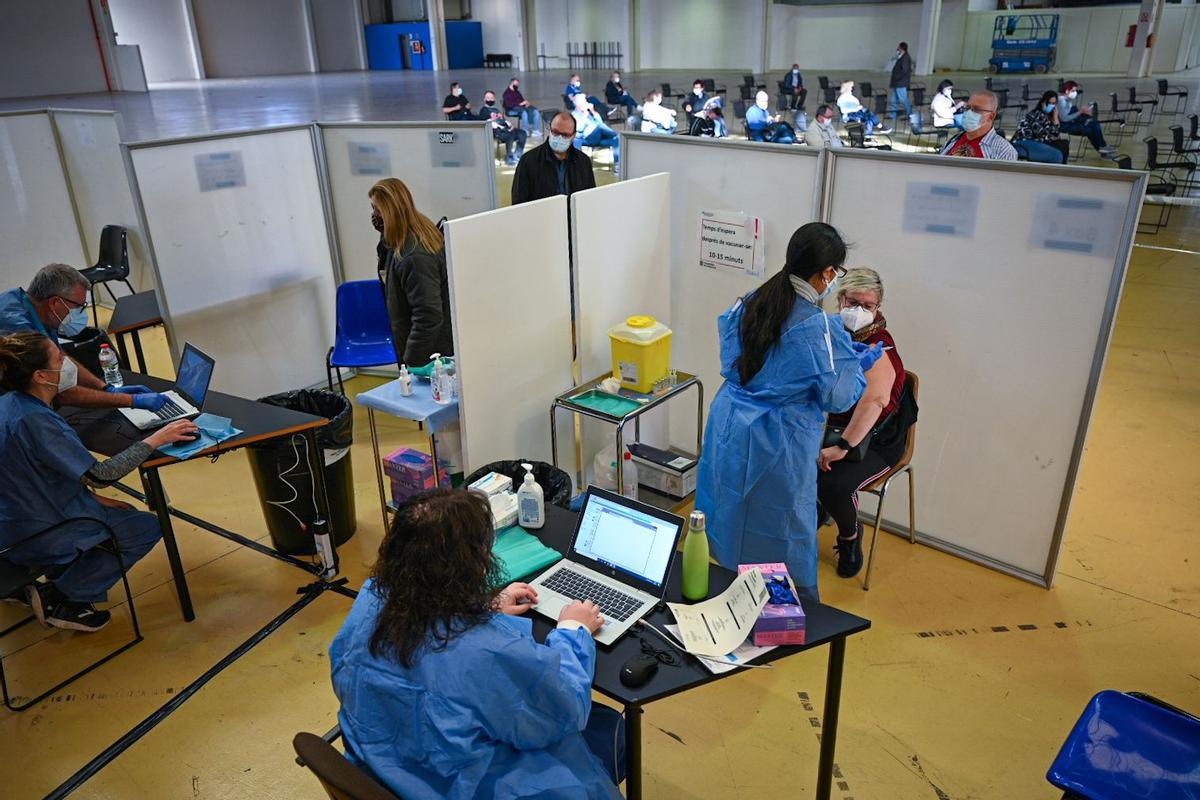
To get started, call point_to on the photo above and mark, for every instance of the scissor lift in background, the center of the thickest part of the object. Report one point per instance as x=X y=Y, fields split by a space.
x=1024 y=43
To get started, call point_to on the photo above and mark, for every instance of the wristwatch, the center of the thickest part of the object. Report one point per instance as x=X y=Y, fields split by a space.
x=843 y=444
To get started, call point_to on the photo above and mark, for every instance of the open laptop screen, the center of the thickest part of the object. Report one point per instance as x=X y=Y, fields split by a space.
x=626 y=539
x=195 y=372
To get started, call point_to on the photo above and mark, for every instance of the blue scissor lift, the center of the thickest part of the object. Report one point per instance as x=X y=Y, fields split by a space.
x=1024 y=43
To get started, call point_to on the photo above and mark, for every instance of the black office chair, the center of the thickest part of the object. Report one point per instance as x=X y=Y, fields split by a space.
x=111 y=265
x=1168 y=169
x=1179 y=147
x=14 y=577
x=747 y=93
x=1166 y=90
x=1194 y=127
x=748 y=80
x=1143 y=101
x=1156 y=188
x=920 y=130
x=1125 y=111
x=739 y=113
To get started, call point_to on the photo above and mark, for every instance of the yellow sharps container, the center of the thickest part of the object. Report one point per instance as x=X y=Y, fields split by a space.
x=641 y=352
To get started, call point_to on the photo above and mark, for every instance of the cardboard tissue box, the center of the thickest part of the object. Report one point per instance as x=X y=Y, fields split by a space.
x=780 y=622
x=413 y=470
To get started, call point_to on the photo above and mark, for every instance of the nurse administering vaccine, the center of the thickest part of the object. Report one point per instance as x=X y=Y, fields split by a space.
x=786 y=365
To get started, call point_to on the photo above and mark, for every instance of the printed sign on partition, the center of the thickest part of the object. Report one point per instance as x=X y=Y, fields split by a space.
x=370 y=158
x=732 y=241
x=451 y=149
x=941 y=209
x=220 y=170
x=1077 y=225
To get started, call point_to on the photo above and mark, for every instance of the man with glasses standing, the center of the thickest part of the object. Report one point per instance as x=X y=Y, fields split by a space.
x=55 y=304
x=979 y=138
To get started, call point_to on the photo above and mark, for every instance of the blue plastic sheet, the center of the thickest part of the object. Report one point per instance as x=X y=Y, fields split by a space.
x=521 y=553
x=213 y=431
x=419 y=406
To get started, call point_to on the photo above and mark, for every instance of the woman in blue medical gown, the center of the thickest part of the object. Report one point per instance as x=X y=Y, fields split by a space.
x=786 y=365
x=444 y=691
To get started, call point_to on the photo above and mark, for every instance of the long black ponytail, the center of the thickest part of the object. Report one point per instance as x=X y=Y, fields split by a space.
x=813 y=248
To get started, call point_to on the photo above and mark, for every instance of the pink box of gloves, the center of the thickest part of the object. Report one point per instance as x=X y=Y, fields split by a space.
x=782 y=619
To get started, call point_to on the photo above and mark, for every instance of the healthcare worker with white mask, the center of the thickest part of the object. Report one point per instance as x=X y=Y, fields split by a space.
x=786 y=365
x=45 y=472
x=54 y=305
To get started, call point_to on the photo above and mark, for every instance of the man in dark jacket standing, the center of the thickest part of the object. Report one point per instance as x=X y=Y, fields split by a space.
x=553 y=167
x=901 y=78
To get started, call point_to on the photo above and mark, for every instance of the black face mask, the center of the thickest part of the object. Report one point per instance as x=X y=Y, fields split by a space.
x=377 y=222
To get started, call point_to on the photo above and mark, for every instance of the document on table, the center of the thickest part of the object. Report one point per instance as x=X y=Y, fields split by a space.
x=717 y=626
x=740 y=657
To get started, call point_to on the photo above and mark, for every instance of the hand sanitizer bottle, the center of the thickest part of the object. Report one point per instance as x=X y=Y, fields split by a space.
x=438 y=381
x=531 y=502
x=405 y=381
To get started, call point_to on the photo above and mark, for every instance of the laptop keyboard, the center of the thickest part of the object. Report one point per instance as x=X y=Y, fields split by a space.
x=170 y=410
x=614 y=604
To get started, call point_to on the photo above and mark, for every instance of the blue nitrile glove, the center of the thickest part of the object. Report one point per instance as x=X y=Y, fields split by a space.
x=151 y=401
x=129 y=389
x=867 y=356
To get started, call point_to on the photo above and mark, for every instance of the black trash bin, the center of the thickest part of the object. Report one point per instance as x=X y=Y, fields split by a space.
x=280 y=462
x=556 y=484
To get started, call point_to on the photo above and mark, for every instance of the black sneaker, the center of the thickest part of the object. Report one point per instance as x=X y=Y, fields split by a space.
x=77 y=616
x=19 y=598
x=850 y=556
x=42 y=597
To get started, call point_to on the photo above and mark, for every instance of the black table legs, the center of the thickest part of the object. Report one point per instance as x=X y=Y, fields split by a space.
x=157 y=499
x=633 y=753
x=137 y=350
x=829 y=721
x=123 y=353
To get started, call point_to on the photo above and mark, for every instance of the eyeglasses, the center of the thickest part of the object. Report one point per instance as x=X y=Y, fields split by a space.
x=852 y=303
x=70 y=303
x=840 y=272
x=979 y=110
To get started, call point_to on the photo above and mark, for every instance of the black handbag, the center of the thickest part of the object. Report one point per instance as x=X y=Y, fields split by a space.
x=84 y=347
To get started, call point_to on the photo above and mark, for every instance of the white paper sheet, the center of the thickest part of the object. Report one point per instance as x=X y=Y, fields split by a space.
x=733 y=242
x=716 y=627
x=942 y=209
x=740 y=657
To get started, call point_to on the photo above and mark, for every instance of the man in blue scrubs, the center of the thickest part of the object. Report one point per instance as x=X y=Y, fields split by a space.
x=55 y=303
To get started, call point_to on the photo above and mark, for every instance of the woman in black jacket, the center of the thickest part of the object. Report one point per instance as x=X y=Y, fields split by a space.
x=412 y=267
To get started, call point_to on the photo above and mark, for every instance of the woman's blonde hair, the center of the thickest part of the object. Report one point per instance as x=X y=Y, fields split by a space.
x=860 y=279
x=847 y=86
x=401 y=218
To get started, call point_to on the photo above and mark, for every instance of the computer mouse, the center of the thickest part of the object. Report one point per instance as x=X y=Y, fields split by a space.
x=638 y=670
x=189 y=437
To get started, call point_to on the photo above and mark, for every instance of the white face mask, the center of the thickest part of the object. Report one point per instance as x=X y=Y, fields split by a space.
x=761 y=102
x=699 y=90
x=795 y=71
x=68 y=376
x=826 y=123
x=456 y=92
x=856 y=318
x=972 y=120
x=948 y=91
x=1072 y=95
x=560 y=144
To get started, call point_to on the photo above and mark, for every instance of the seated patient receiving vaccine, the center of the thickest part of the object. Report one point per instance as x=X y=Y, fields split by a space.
x=444 y=691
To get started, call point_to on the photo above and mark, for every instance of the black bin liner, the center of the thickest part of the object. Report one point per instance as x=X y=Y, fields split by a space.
x=275 y=462
x=556 y=484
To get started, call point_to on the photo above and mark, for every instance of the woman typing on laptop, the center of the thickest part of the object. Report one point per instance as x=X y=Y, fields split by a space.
x=444 y=691
x=45 y=472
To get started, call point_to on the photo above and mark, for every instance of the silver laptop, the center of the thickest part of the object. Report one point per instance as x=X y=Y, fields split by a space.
x=620 y=559
x=186 y=400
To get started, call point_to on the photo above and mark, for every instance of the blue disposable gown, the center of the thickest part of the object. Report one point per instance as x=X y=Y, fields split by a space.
x=758 y=472
x=494 y=715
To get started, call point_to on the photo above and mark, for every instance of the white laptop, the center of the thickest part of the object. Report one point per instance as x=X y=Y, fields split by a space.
x=186 y=400
x=620 y=559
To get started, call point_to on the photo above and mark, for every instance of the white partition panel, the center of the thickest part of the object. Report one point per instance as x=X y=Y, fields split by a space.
x=91 y=146
x=1007 y=326
x=776 y=183
x=447 y=166
x=37 y=222
x=237 y=229
x=512 y=329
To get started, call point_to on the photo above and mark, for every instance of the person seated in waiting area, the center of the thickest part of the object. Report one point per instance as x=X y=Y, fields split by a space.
x=979 y=138
x=515 y=105
x=412 y=265
x=54 y=304
x=456 y=106
x=590 y=129
x=444 y=691
x=853 y=111
x=45 y=472
x=860 y=300
x=513 y=138
x=763 y=126
x=1037 y=133
x=710 y=124
x=554 y=167
x=657 y=118
x=793 y=87
x=824 y=132
x=946 y=111
x=575 y=87
x=694 y=103
x=1078 y=123
x=616 y=95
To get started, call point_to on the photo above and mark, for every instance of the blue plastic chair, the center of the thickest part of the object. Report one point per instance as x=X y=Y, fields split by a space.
x=1127 y=747
x=364 y=334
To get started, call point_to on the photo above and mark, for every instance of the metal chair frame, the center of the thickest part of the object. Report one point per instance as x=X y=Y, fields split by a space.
x=881 y=485
x=33 y=575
